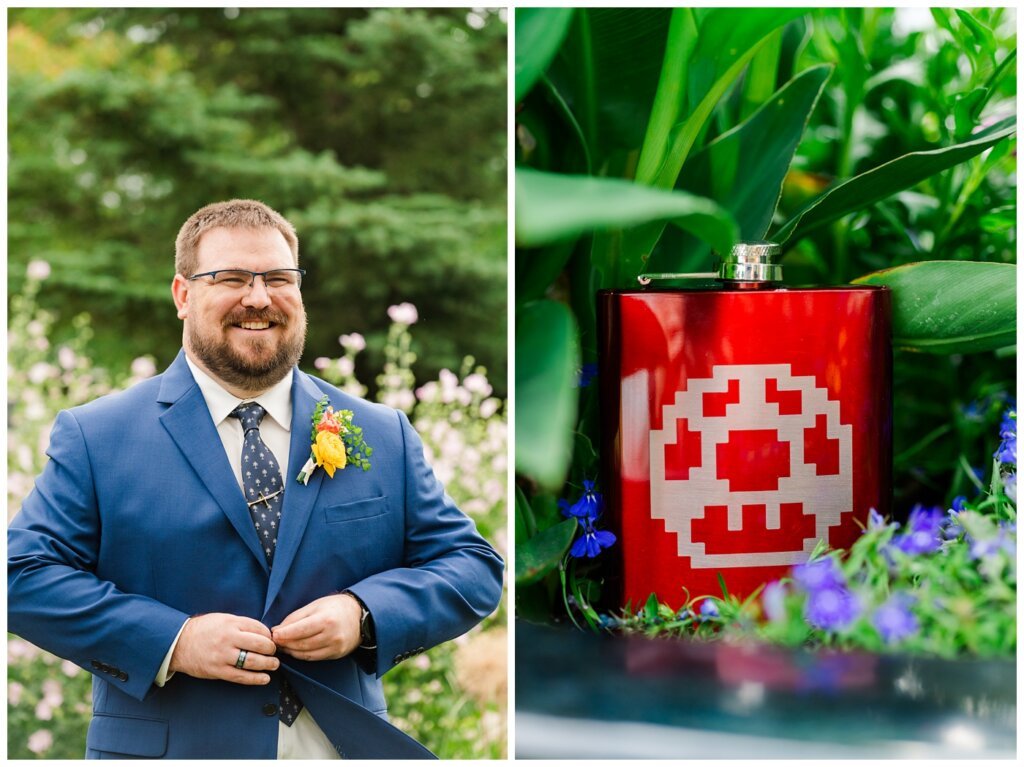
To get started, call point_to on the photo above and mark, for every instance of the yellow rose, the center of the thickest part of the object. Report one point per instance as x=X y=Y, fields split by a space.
x=329 y=452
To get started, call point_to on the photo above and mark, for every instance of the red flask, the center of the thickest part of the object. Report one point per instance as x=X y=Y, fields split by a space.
x=740 y=426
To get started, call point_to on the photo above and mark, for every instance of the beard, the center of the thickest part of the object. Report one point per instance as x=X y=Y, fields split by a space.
x=262 y=366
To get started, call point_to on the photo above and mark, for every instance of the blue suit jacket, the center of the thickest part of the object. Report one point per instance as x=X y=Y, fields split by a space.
x=137 y=522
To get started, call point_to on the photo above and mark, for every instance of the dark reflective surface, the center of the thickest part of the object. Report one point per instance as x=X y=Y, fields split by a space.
x=583 y=696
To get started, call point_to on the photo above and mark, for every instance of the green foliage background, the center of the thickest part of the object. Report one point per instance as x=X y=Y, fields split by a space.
x=379 y=133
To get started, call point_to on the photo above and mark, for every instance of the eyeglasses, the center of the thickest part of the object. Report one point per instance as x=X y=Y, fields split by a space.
x=240 y=279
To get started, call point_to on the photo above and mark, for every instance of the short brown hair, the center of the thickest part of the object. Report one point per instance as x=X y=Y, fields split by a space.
x=245 y=214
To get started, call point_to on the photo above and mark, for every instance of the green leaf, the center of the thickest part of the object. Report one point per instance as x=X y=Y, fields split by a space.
x=671 y=93
x=608 y=72
x=539 y=34
x=547 y=358
x=878 y=183
x=728 y=39
x=951 y=307
x=539 y=555
x=743 y=169
x=552 y=207
x=983 y=36
x=526 y=523
x=651 y=608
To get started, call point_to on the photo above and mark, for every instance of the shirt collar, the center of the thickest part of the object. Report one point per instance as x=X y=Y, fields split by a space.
x=277 y=400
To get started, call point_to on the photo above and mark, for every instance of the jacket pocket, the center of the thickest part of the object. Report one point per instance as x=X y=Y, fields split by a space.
x=127 y=735
x=364 y=509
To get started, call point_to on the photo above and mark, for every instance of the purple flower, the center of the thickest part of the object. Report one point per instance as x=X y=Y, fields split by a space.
x=588 y=507
x=894 y=620
x=818 y=575
x=875 y=520
x=831 y=609
x=708 y=610
x=1007 y=451
x=951 y=527
x=924 y=529
x=959 y=503
x=1010 y=486
x=773 y=598
x=592 y=542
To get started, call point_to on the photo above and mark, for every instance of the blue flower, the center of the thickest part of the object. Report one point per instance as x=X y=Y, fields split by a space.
x=587 y=374
x=951 y=527
x=708 y=610
x=959 y=503
x=592 y=542
x=894 y=620
x=924 y=530
x=1007 y=451
x=588 y=507
x=1010 y=485
x=831 y=609
x=818 y=575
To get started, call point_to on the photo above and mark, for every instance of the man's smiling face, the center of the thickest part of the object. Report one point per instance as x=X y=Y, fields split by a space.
x=248 y=338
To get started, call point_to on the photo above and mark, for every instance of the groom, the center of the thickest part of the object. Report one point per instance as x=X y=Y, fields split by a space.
x=226 y=609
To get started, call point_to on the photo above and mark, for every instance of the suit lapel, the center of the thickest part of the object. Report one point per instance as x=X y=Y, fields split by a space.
x=188 y=422
x=299 y=499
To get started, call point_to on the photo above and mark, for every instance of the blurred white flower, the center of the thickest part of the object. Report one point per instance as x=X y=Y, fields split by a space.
x=40 y=372
x=477 y=384
x=353 y=342
x=66 y=357
x=403 y=313
x=143 y=367
x=40 y=741
x=321 y=362
x=346 y=366
x=38 y=269
x=70 y=669
x=489 y=407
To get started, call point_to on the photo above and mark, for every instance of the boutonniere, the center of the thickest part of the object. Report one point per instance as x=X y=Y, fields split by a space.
x=337 y=442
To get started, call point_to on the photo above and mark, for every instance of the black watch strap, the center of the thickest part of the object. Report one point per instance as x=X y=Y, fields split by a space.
x=367 y=634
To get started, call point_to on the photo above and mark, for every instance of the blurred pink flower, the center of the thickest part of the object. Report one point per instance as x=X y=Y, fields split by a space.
x=321 y=362
x=70 y=669
x=143 y=367
x=477 y=384
x=353 y=342
x=44 y=711
x=40 y=741
x=38 y=269
x=53 y=693
x=14 y=692
x=346 y=366
x=403 y=313
x=489 y=407
x=19 y=649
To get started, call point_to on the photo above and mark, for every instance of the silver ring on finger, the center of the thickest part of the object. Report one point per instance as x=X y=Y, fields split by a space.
x=240 y=663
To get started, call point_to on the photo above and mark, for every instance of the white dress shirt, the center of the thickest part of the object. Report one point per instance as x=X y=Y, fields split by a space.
x=304 y=739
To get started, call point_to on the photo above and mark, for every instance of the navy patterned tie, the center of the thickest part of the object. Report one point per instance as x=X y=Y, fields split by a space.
x=263 y=488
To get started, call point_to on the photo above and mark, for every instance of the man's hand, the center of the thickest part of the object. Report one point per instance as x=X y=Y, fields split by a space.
x=209 y=647
x=322 y=630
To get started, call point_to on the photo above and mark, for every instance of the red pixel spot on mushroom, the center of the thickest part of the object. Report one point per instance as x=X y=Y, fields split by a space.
x=684 y=454
x=753 y=459
x=789 y=402
x=713 y=531
x=821 y=450
x=716 y=402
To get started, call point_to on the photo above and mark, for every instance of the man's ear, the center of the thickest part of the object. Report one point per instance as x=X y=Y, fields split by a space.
x=179 y=289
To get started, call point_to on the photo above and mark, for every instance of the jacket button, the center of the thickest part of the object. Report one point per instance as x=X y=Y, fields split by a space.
x=123 y=676
x=269 y=710
x=96 y=665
